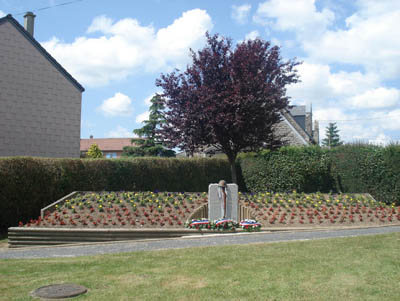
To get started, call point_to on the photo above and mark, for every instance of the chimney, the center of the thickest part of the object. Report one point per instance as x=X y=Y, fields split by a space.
x=29 y=22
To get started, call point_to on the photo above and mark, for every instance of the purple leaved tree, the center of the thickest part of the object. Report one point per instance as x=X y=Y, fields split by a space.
x=227 y=98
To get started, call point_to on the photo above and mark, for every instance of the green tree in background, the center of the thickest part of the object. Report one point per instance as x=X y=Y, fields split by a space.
x=332 y=136
x=149 y=142
x=94 y=152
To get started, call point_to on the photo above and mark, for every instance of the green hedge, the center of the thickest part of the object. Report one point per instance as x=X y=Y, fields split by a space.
x=368 y=168
x=353 y=168
x=29 y=184
x=304 y=169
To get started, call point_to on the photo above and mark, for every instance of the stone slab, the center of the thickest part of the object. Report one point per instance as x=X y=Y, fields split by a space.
x=214 y=203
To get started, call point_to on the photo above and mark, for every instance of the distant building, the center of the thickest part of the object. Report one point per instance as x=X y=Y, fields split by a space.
x=40 y=102
x=296 y=128
x=111 y=147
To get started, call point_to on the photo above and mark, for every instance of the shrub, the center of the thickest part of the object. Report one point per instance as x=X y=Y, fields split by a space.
x=305 y=169
x=351 y=168
x=94 y=151
x=368 y=168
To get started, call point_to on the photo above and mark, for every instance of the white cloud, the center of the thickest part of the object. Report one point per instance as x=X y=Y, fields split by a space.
x=376 y=98
x=387 y=120
x=381 y=139
x=118 y=105
x=351 y=69
x=372 y=42
x=252 y=35
x=120 y=132
x=125 y=47
x=320 y=85
x=240 y=13
x=370 y=38
x=374 y=127
x=142 y=117
x=2 y=14
x=300 y=16
x=351 y=126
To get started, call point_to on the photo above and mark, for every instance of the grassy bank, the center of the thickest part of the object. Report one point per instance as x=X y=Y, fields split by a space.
x=356 y=268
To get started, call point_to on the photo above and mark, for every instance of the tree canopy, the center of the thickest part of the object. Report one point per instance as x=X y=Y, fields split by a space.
x=227 y=98
x=149 y=143
x=332 y=136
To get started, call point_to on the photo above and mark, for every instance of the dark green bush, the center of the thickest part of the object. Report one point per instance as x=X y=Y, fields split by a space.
x=304 y=169
x=29 y=184
x=368 y=168
x=349 y=168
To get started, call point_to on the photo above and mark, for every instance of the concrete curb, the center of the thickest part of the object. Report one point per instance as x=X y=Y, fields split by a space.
x=46 y=237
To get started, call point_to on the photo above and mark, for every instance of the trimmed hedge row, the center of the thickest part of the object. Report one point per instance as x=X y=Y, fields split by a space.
x=29 y=184
x=368 y=168
x=305 y=169
x=348 y=169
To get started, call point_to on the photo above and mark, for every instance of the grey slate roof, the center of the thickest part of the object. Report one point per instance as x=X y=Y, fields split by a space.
x=300 y=130
x=298 y=110
x=43 y=51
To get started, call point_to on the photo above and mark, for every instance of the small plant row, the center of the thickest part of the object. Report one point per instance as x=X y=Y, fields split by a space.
x=109 y=217
x=158 y=200
x=324 y=214
x=314 y=200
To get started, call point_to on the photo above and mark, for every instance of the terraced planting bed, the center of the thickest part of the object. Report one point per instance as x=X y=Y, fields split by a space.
x=108 y=216
x=140 y=210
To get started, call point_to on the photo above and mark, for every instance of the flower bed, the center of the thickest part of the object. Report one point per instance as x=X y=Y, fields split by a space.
x=316 y=209
x=172 y=210
x=122 y=210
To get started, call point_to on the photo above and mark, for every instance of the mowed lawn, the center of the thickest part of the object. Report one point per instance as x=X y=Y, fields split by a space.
x=355 y=268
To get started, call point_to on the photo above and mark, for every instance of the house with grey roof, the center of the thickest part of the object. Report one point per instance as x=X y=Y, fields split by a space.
x=40 y=102
x=295 y=128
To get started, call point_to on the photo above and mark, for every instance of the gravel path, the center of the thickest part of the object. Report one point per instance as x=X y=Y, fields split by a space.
x=186 y=242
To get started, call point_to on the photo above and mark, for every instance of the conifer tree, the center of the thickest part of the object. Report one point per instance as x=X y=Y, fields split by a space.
x=149 y=142
x=332 y=136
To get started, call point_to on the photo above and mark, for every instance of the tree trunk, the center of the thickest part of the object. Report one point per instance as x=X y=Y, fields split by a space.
x=232 y=162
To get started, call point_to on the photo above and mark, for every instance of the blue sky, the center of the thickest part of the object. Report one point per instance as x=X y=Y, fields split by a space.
x=117 y=49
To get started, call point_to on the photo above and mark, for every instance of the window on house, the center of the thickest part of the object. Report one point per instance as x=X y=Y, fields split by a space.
x=111 y=155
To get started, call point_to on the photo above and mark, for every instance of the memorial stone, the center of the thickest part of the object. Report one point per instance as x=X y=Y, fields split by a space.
x=215 y=199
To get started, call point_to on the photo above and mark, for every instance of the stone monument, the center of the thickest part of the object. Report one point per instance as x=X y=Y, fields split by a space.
x=216 y=194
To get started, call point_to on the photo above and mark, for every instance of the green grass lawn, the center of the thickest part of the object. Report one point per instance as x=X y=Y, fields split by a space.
x=356 y=268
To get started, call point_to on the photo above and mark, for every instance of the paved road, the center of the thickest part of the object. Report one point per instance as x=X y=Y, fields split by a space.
x=186 y=242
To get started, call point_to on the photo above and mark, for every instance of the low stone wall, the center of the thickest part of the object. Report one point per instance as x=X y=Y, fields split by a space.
x=24 y=237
